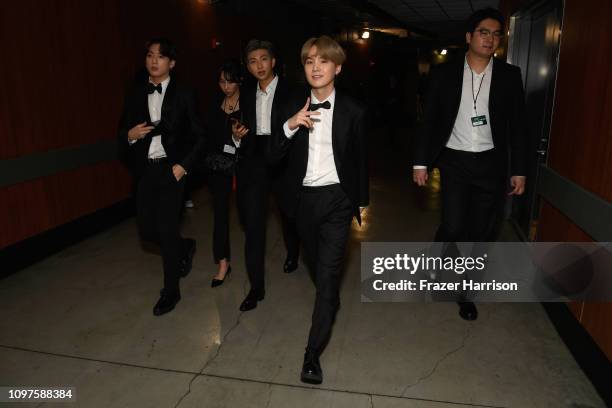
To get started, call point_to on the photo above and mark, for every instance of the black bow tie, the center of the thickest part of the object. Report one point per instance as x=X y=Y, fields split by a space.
x=315 y=106
x=152 y=88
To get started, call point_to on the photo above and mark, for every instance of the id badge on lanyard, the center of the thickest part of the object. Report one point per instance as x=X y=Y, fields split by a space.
x=480 y=120
x=477 y=120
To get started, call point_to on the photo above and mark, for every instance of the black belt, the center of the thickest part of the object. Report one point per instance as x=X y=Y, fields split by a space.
x=157 y=160
x=467 y=154
x=315 y=189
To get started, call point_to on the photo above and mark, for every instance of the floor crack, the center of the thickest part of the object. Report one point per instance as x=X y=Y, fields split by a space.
x=269 y=396
x=209 y=361
x=440 y=360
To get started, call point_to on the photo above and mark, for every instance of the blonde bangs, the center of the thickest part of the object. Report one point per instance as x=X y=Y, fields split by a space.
x=327 y=48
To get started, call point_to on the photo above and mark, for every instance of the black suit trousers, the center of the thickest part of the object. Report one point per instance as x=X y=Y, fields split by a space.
x=472 y=196
x=288 y=224
x=221 y=189
x=290 y=235
x=159 y=204
x=252 y=196
x=324 y=219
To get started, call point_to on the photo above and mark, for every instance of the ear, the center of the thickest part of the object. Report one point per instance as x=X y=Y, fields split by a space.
x=273 y=62
x=338 y=69
x=172 y=64
x=468 y=38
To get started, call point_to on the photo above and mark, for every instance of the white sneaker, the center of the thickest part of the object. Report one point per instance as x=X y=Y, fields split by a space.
x=189 y=204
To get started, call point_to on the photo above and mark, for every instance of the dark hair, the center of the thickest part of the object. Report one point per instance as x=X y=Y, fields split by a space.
x=255 y=44
x=166 y=47
x=479 y=15
x=231 y=70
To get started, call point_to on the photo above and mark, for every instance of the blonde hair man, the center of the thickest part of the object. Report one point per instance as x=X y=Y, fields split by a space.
x=326 y=183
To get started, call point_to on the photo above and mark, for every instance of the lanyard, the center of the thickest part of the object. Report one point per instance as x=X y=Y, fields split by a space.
x=475 y=98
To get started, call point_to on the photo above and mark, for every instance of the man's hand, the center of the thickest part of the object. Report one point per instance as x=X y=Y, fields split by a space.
x=139 y=131
x=238 y=130
x=518 y=185
x=178 y=172
x=302 y=117
x=420 y=176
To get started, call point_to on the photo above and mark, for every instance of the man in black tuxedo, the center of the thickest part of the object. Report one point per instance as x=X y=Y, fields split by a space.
x=160 y=136
x=260 y=104
x=326 y=182
x=474 y=132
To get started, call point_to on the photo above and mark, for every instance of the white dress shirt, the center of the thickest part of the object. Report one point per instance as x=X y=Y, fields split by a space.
x=321 y=168
x=263 y=107
x=156 y=149
x=464 y=136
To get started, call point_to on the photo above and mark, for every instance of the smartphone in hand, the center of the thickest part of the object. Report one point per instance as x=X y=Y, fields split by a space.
x=156 y=129
x=236 y=122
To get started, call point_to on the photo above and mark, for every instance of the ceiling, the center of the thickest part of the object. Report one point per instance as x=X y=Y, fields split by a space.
x=443 y=18
x=352 y=12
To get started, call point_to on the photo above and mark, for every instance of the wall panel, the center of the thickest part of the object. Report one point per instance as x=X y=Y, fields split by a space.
x=29 y=208
x=63 y=82
x=581 y=134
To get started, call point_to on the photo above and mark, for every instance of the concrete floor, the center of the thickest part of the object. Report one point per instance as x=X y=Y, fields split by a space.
x=82 y=318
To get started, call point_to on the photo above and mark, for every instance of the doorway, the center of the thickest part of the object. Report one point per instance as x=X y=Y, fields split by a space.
x=533 y=45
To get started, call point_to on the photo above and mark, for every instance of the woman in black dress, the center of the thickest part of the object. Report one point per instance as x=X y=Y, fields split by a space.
x=221 y=155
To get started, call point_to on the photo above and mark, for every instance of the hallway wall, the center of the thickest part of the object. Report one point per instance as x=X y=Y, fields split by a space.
x=581 y=134
x=580 y=147
x=61 y=80
x=66 y=66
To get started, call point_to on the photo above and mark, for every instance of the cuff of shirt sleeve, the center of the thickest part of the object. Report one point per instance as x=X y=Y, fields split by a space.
x=288 y=132
x=131 y=142
x=236 y=141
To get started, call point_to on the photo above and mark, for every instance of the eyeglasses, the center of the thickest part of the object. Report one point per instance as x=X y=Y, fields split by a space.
x=487 y=33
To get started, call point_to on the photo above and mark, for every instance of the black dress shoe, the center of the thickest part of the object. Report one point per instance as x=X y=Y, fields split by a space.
x=468 y=311
x=187 y=260
x=165 y=303
x=218 y=282
x=290 y=265
x=250 y=302
x=311 y=370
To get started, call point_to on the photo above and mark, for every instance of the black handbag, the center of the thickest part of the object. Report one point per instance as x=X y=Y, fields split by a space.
x=222 y=162
x=219 y=162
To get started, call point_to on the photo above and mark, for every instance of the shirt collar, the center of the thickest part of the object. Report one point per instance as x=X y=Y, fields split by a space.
x=331 y=98
x=271 y=86
x=164 y=84
x=488 y=69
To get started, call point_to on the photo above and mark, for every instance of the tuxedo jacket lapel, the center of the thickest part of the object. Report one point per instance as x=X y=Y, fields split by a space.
x=340 y=128
x=143 y=102
x=168 y=104
x=494 y=94
x=457 y=88
x=143 y=106
x=302 y=142
x=279 y=99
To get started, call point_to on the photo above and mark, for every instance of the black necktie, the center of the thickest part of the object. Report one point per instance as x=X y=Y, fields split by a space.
x=152 y=88
x=315 y=106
